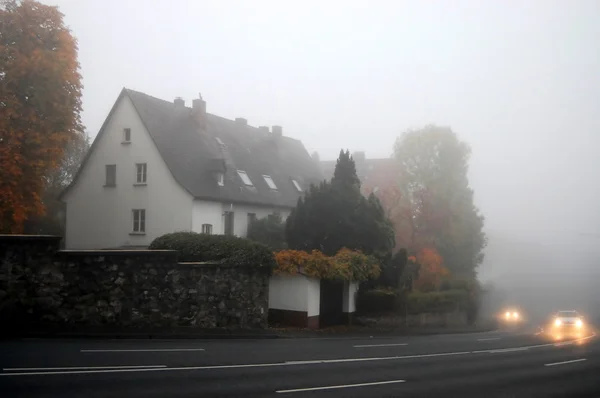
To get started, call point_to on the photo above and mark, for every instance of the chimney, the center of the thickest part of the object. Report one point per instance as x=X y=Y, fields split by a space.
x=277 y=131
x=264 y=129
x=241 y=121
x=199 y=111
x=179 y=102
x=358 y=156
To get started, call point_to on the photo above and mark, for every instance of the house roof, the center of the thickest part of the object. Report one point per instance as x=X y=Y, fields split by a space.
x=194 y=155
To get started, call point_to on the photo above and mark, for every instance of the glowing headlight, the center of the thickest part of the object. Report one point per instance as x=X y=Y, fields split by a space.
x=515 y=315
x=507 y=314
x=557 y=322
x=579 y=323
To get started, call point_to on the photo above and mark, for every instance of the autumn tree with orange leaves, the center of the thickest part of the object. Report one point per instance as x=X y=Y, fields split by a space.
x=433 y=181
x=40 y=105
x=431 y=270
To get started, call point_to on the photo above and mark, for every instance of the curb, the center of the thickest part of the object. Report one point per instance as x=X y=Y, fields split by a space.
x=240 y=336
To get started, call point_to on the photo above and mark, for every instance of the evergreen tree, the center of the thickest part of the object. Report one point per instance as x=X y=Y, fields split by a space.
x=335 y=214
x=269 y=231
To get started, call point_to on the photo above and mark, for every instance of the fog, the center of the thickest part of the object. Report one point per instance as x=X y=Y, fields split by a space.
x=517 y=80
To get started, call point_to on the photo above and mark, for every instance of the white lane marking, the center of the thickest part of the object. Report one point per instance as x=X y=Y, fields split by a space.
x=535 y=346
x=379 y=345
x=84 y=368
x=81 y=372
x=508 y=350
x=377 y=383
x=490 y=339
x=146 y=350
x=264 y=365
x=313 y=362
x=565 y=362
x=219 y=367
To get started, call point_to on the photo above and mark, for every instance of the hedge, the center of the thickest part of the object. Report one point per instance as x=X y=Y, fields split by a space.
x=347 y=265
x=380 y=300
x=195 y=247
x=437 y=302
x=385 y=300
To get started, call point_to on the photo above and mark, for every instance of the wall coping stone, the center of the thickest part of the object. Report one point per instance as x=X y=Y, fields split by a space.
x=117 y=252
x=211 y=264
x=17 y=237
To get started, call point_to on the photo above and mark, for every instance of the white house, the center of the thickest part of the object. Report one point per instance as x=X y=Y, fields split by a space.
x=158 y=166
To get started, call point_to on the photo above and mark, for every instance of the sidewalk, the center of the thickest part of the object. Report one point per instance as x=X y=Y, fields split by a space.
x=223 y=333
x=370 y=331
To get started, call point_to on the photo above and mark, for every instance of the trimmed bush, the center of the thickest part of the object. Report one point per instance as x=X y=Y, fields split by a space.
x=375 y=301
x=347 y=265
x=194 y=247
x=437 y=302
x=269 y=231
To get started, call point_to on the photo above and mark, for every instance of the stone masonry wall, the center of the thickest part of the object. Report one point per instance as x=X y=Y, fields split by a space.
x=122 y=290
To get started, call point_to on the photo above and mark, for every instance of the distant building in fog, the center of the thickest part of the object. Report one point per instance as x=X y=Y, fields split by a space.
x=374 y=174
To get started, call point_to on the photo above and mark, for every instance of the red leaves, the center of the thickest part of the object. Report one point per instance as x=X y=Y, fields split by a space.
x=431 y=272
x=39 y=110
x=345 y=265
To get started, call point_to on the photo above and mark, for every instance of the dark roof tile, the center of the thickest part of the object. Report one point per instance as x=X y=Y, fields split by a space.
x=194 y=155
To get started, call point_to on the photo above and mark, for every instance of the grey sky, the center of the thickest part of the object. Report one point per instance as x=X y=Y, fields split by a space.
x=518 y=80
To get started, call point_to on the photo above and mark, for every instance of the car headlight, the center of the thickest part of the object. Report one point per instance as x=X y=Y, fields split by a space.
x=578 y=323
x=515 y=315
x=557 y=322
x=507 y=314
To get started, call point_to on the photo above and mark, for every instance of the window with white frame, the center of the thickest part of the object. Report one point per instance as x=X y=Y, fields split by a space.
x=140 y=173
x=221 y=179
x=139 y=221
x=270 y=182
x=244 y=176
x=111 y=175
x=297 y=185
x=127 y=134
x=207 y=229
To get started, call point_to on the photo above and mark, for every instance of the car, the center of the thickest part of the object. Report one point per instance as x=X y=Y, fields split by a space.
x=567 y=323
x=511 y=316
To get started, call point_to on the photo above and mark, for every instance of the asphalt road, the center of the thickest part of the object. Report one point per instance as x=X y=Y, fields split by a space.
x=495 y=364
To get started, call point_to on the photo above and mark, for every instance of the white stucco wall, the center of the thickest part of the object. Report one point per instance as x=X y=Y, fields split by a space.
x=294 y=293
x=101 y=217
x=208 y=212
x=350 y=290
x=314 y=296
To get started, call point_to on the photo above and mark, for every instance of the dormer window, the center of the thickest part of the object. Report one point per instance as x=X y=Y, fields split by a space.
x=297 y=185
x=126 y=135
x=221 y=179
x=244 y=176
x=270 y=182
x=220 y=142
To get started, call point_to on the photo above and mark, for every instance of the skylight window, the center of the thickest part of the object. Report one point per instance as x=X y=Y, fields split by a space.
x=245 y=177
x=270 y=182
x=297 y=185
x=221 y=143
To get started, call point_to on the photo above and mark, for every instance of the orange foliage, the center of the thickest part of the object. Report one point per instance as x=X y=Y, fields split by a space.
x=345 y=265
x=40 y=91
x=431 y=272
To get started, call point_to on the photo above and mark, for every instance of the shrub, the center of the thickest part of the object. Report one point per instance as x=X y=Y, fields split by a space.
x=269 y=231
x=345 y=265
x=380 y=300
x=194 y=247
x=437 y=302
